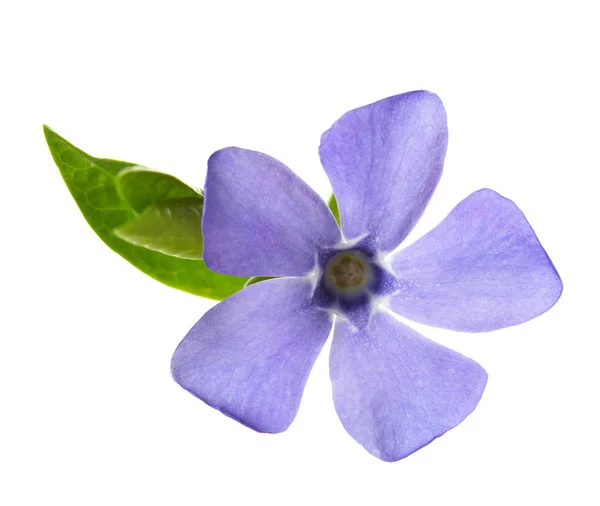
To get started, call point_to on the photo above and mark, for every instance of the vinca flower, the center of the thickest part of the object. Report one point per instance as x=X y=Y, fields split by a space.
x=481 y=269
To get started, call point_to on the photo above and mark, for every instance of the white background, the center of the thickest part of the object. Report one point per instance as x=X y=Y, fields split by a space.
x=89 y=414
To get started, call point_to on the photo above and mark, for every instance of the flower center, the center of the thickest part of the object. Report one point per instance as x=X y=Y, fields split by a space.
x=347 y=272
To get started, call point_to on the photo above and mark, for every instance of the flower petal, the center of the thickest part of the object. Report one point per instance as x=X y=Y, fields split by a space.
x=396 y=391
x=250 y=355
x=480 y=269
x=260 y=219
x=384 y=161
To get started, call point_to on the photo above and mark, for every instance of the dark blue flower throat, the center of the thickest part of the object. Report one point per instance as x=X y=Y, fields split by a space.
x=351 y=282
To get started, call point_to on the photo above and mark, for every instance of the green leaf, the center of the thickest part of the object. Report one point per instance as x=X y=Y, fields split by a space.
x=173 y=227
x=141 y=187
x=93 y=184
x=334 y=208
x=256 y=279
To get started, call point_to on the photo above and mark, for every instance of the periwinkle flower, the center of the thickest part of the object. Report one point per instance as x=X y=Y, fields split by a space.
x=482 y=268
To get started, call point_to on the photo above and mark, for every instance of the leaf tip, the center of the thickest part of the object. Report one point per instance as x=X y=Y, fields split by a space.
x=48 y=132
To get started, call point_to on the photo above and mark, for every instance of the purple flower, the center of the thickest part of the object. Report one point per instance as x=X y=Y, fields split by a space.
x=480 y=269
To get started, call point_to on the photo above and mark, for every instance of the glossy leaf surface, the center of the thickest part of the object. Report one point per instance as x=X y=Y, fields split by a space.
x=172 y=227
x=93 y=184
